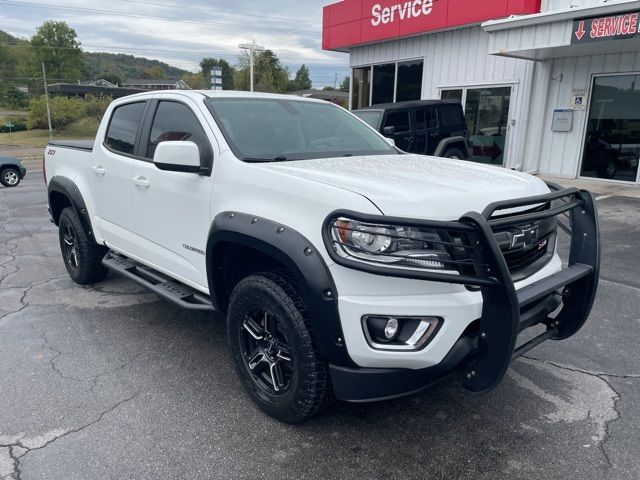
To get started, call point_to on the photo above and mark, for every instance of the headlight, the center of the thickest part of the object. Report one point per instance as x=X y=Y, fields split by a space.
x=397 y=246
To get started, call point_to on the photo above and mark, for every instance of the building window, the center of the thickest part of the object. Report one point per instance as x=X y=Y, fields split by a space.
x=387 y=83
x=409 y=81
x=612 y=145
x=452 y=95
x=383 y=83
x=361 y=87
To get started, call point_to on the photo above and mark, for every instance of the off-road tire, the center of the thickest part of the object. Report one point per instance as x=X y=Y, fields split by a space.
x=10 y=177
x=310 y=386
x=87 y=253
x=454 y=153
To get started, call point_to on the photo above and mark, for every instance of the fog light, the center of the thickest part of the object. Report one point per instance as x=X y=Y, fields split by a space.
x=399 y=333
x=391 y=329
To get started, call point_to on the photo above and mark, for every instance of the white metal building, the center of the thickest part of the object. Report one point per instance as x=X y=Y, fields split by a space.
x=547 y=85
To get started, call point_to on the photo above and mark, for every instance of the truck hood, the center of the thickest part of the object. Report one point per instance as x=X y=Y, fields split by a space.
x=417 y=186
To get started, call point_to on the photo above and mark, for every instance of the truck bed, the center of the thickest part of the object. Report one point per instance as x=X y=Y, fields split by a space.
x=86 y=145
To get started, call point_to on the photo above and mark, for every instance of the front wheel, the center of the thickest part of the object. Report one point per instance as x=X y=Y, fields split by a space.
x=10 y=177
x=81 y=254
x=272 y=348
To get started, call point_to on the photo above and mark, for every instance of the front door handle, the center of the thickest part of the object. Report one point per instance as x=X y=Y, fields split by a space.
x=99 y=170
x=142 y=182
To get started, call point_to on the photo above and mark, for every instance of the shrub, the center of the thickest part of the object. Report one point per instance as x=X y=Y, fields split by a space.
x=63 y=112
x=96 y=105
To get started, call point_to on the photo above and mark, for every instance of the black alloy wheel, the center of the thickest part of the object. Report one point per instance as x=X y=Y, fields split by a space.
x=266 y=351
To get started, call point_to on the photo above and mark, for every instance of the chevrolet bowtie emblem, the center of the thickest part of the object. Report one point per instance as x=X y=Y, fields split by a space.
x=526 y=238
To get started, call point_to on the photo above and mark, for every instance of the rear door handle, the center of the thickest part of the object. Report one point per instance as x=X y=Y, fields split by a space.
x=99 y=170
x=142 y=182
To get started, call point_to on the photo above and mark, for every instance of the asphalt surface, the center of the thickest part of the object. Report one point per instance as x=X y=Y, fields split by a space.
x=107 y=381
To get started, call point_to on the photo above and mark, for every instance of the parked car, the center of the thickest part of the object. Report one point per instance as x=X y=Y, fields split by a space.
x=11 y=171
x=345 y=268
x=428 y=127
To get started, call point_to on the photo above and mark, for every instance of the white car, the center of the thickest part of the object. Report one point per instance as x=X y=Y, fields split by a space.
x=346 y=268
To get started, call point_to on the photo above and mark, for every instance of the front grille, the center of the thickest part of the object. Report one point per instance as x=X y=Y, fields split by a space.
x=520 y=259
x=526 y=246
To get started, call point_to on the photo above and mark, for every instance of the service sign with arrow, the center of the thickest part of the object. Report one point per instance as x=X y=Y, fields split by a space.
x=596 y=29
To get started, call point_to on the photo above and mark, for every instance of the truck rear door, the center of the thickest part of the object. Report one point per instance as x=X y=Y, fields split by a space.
x=110 y=175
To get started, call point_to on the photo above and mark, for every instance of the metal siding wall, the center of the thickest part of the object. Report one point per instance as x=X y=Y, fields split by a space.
x=561 y=153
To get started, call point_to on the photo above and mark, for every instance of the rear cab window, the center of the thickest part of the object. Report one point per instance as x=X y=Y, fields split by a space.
x=123 y=127
x=452 y=116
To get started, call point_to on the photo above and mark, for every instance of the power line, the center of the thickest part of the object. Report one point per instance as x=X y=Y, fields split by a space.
x=152 y=17
x=225 y=12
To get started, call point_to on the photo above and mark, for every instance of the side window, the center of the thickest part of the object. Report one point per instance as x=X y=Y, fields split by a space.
x=452 y=116
x=426 y=118
x=123 y=127
x=176 y=122
x=400 y=120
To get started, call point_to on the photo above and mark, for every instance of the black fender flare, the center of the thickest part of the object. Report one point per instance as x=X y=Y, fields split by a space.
x=69 y=189
x=444 y=143
x=299 y=256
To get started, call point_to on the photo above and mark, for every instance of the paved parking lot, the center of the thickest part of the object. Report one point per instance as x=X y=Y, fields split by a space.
x=107 y=381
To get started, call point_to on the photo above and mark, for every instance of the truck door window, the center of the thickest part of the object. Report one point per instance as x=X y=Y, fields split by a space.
x=426 y=118
x=400 y=120
x=176 y=122
x=123 y=127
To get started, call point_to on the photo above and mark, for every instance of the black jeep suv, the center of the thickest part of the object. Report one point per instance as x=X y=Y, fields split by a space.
x=428 y=127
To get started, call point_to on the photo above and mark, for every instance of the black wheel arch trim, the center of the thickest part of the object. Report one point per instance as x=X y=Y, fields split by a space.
x=300 y=257
x=70 y=190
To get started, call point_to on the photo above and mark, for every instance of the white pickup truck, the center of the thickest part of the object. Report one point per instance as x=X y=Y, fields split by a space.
x=345 y=267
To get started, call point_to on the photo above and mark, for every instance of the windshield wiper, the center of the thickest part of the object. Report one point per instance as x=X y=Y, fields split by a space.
x=277 y=158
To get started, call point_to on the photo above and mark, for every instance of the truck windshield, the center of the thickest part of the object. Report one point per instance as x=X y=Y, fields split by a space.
x=371 y=117
x=274 y=129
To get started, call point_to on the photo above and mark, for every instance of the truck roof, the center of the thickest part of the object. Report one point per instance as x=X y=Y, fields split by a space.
x=198 y=94
x=411 y=103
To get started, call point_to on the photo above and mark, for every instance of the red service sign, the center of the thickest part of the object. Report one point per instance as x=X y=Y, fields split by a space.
x=356 y=22
x=624 y=25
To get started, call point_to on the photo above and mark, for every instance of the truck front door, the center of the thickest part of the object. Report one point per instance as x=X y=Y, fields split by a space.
x=401 y=121
x=171 y=209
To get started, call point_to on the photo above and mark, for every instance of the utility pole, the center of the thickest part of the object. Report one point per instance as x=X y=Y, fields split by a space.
x=252 y=47
x=46 y=97
x=335 y=82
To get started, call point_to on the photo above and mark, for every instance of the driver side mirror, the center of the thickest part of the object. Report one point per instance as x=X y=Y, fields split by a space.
x=177 y=156
x=389 y=131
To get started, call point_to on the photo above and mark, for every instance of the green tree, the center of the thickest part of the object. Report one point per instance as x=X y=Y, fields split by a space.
x=270 y=75
x=155 y=72
x=344 y=85
x=206 y=64
x=302 y=81
x=56 y=45
x=195 y=81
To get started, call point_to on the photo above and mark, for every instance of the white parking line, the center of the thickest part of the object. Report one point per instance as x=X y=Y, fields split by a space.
x=604 y=197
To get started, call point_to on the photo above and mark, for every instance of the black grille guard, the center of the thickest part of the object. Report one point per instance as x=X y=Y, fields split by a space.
x=503 y=311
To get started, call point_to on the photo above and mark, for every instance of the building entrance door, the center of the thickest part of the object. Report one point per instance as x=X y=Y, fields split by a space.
x=486 y=110
x=612 y=144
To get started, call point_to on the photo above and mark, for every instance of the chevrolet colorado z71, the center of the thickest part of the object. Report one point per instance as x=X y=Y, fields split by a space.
x=345 y=267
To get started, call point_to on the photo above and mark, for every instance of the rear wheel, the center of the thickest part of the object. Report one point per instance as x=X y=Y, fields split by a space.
x=82 y=256
x=454 y=153
x=10 y=177
x=272 y=348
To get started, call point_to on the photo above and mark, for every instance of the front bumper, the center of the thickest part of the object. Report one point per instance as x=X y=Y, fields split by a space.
x=23 y=172
x=485 y=347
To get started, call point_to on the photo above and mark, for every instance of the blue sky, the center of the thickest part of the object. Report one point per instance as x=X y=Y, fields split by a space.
x=182 y=32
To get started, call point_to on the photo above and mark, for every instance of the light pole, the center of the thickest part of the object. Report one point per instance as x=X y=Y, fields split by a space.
x=252 y=47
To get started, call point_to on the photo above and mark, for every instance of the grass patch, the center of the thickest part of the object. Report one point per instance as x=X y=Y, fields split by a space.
x=84 y=129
